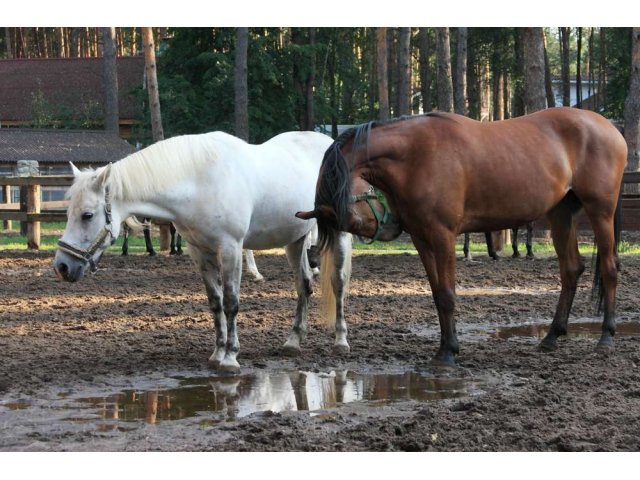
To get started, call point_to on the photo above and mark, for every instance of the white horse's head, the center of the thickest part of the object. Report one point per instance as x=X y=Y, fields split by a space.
x=92 y=224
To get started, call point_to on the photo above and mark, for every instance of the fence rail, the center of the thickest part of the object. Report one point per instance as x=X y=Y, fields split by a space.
x=33 y=211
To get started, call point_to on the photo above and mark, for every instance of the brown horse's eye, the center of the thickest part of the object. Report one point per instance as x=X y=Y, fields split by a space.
x=87 y=216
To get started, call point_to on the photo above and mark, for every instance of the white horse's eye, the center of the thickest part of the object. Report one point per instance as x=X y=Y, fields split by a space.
x=87 y=215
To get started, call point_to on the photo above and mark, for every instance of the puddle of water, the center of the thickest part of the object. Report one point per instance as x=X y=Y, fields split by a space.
x=219 y=399
x=576 y=329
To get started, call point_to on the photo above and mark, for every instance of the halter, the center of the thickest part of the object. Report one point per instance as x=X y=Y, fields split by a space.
x=87 y=255
x=381 y=218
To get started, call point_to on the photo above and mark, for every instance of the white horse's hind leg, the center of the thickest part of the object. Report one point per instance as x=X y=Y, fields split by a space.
x=340 y=282
x=297 y=256
x=251 y=266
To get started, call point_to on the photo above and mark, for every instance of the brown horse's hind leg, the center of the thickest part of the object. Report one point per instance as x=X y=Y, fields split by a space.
x=605 y=241
x=563 y=231
x=439 y=261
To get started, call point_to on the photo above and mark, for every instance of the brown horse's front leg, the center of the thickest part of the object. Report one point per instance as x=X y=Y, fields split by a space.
x=440 y=263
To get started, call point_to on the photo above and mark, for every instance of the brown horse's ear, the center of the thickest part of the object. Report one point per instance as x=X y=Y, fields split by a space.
x=307 y=215
x=327 y=214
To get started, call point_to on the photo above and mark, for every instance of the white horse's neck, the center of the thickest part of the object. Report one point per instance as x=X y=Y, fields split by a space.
x=147 y=209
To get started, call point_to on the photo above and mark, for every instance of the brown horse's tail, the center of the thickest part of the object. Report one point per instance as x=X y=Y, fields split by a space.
x=327 y=271
x=597 y=289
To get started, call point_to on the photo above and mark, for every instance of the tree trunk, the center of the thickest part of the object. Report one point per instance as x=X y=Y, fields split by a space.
x=551 y=98
x=518 y=83
x=404 y=71
x=152 y=84
x=498 y=98
x=240 y=84
x=534 y=92
x=445 y=82
x=590 y=84
x=632 y=110
x=110 y=75
x=304 y=78
x=579 y=70
x=333 y=91
x=61 y=43
x=484 y=91
x=134 y=42
x=311 y=81
x=460 y=86
x=564 y=59
x=602 y=73
x=392 y=69
x=7 y=42
x=425 y=71
x=382 y=72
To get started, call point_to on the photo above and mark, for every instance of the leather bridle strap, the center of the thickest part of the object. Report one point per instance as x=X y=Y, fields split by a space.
x=86 y=255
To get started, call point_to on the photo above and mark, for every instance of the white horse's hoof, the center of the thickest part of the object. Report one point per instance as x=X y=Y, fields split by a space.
x=341 y=349
x=291 y=350
x=258 y=278
x=229 y=365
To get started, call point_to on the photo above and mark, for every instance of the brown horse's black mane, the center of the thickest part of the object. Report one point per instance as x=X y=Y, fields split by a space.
x=358 y=131
x=334 y=184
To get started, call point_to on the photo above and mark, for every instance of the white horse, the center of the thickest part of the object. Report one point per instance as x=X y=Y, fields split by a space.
x=222 y=194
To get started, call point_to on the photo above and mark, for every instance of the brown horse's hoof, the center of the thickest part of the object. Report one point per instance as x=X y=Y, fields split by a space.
x=548 y=346
x=605 y=345
x=443 y=360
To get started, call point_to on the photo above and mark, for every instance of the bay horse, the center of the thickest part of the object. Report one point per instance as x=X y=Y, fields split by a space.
x=222 y=195
x=444 y=174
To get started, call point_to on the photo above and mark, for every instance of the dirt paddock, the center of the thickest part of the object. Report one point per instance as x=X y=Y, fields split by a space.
x=143 y=317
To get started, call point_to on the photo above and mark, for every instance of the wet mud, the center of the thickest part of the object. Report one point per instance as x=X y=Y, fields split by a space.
x=118 y=362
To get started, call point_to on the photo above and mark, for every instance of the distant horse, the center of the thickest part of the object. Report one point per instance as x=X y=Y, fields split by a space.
x=175 y=246
x=490 y=247
x=528 y=241
x=222 y=194
x=445 y=174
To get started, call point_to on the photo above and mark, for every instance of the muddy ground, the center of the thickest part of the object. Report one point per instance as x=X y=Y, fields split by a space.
x=143 y=317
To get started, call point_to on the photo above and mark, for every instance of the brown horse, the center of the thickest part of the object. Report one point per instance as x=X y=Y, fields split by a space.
x=444 y=174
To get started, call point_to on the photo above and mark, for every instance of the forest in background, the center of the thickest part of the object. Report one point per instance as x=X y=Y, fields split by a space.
x=303 y=78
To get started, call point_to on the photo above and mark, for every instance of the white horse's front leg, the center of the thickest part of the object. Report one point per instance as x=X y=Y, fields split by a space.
x=222 y=293
x=297 y=256
x=232 y=273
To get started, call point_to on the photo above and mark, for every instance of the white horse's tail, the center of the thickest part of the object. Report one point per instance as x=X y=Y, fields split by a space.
x=327 y=272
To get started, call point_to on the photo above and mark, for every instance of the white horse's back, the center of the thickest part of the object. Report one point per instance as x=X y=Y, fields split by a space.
x=252 y=192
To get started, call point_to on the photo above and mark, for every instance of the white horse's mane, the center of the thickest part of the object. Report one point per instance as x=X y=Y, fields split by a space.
x=158 y=167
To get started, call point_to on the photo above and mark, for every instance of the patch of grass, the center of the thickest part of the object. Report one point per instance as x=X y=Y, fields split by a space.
x=51 y=233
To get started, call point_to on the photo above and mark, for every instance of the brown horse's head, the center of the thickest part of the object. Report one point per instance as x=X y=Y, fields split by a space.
x=345 y=201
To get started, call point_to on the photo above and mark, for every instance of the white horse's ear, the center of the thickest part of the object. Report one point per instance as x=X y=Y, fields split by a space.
x=102 y=177
x=74 y=169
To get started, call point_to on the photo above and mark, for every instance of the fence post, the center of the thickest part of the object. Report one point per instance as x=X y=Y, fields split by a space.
x=34 y=196
x=6 y=190
x=26 y=168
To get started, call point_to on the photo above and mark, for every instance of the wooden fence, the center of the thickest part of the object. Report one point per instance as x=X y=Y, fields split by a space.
x=34 y=211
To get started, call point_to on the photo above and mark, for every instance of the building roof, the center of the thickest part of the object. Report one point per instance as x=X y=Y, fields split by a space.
x=71 y=87
x=61 y=146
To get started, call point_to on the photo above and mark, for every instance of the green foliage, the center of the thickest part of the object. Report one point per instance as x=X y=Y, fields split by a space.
x=196 y=69
x=619 y=70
